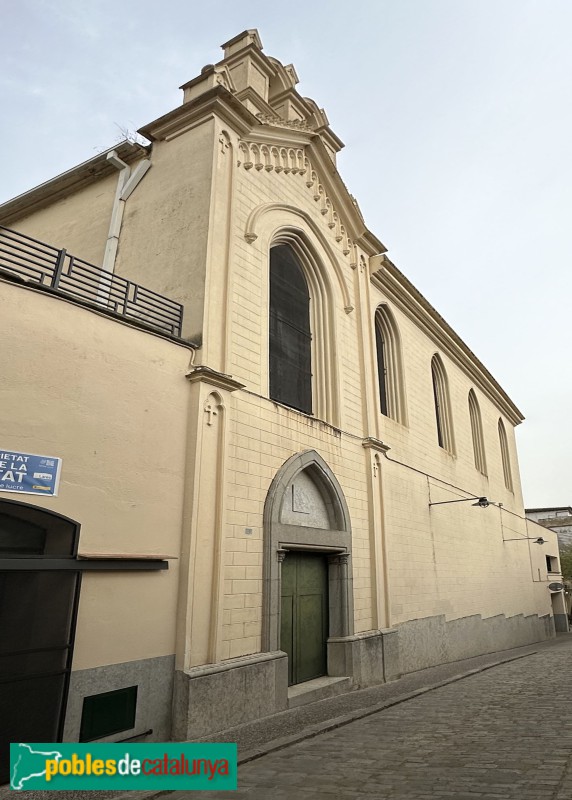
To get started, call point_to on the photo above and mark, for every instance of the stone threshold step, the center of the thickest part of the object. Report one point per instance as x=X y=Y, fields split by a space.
x=317 y=689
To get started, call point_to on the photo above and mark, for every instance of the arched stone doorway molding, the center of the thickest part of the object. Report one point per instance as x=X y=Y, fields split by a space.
x=306 y=510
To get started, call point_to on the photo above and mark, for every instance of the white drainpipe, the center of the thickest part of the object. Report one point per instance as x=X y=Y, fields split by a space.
x=126 y=183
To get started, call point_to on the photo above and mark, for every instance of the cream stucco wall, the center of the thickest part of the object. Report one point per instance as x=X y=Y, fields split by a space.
x=78 y=222
x=165 y=227
x=164 y=232
x=111 y=401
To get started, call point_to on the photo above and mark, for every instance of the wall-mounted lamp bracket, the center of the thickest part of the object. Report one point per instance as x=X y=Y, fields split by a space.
x=535 y=539
x=482 y=502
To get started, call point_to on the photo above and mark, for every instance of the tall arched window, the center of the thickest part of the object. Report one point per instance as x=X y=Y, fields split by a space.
x=290 y=337
x=505 y=456
x=389 y=366
x=477 y=432
x=443 y=416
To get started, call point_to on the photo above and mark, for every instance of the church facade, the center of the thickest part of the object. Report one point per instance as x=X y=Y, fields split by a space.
x=307 y=476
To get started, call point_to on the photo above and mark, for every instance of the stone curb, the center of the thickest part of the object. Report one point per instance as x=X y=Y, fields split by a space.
x=338 y=722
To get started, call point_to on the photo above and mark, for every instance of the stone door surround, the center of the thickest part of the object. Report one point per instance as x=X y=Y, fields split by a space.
x=305 y=487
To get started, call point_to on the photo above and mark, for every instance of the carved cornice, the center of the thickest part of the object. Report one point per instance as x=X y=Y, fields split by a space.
x=248 y=94
x=329 y=213
x=371 y=443
x=341 y=559
x=274 y=119
x=347 y=209
x=396 y=287
x=271 y=157
x=203 y=374
x=217 y=100
x=281 y=137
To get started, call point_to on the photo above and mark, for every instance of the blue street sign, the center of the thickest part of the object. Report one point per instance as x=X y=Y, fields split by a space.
x=28 y=473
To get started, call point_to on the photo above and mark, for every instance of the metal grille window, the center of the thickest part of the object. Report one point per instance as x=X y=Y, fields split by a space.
x=290 y=343
x=108 y=713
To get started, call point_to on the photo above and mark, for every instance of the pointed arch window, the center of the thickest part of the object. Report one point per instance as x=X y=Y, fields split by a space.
x=389 y=366
x=505 y=456
x=444 y=419
x=477 y=433
x=290 y=342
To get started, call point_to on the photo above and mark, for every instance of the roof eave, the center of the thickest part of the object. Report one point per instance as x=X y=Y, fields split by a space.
x=391 y=280
x=70 y=181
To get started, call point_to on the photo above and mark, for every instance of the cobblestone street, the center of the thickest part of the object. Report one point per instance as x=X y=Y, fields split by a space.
x=501 y=734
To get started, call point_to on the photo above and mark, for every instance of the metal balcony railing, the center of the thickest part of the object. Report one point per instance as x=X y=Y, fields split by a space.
x=37 y=262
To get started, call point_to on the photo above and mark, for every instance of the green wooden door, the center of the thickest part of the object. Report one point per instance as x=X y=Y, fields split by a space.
x=304 y=615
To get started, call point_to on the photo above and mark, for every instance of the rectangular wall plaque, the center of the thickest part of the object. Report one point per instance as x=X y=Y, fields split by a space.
x=28 y=473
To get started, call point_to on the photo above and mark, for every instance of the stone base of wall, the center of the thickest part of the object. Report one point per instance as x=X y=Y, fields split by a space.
x=219 y=696
x=154 y=680
x=367 y=658
x=561 y=623
x=434 y=640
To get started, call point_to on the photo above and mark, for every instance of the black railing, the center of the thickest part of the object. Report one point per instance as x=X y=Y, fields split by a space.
x=37 y=262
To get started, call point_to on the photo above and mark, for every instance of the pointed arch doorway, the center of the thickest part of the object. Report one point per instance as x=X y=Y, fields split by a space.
x=308 y=595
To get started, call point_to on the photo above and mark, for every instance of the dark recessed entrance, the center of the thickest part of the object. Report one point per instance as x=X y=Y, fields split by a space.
x=304 y=615
x=38 y=609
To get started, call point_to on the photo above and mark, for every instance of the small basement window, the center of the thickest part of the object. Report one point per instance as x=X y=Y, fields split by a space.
x=108 y=713
x=552 y=564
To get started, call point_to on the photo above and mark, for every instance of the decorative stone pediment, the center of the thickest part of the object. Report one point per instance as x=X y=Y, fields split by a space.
x=270 y=157
x=283 y=132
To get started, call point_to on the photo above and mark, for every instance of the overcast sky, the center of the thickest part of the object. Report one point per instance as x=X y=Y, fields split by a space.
x=457 y=120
